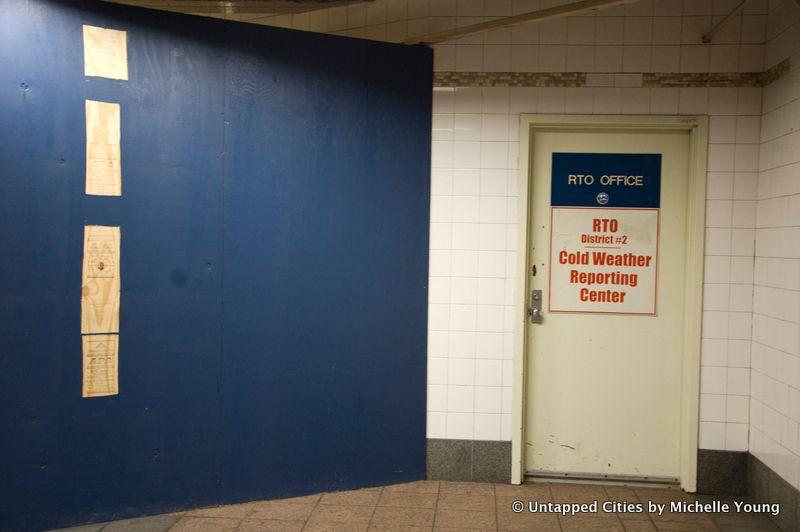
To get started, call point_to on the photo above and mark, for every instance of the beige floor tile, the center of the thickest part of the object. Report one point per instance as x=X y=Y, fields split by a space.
x=399 y=528
x=585 y=523
x=621 y=494
x=504 y=504
x=452 y=529
x=466 y=488
x=578 y=493
x=512 y=490
x=281 y=510
x=662 y=495
x=339 y=513
x=533 y=492
x=363 y=497
x=644 y=516
x=205 y=524
x=527 y=522
x=152 y=523
x=639 y=526
x=270 y=525
x=600 y=516
x=669 y=517
x=305 y=499
x=230 y=510
x=754 y=521
x=478 y=503
x=419 y=486
x=408 y=499
x=677 y=526
x=450 y=506
x=387 y=515
x=630 y=513
x=465 y=519
x=335 y=527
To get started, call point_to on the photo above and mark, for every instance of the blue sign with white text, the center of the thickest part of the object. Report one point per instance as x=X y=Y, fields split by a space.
x=606 y=180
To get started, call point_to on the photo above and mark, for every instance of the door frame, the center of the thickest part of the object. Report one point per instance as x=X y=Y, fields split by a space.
x=697 y=127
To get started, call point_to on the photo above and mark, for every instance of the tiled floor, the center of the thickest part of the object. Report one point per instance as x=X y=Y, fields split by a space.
x=444 y=506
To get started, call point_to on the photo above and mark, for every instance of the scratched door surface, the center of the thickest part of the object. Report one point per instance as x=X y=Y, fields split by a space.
x=604 y=389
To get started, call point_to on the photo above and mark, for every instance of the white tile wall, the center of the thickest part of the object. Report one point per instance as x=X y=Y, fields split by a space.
x=775 y=358
x=727 y=318
x=648 y=35
x=750 y=382
x=729 y=262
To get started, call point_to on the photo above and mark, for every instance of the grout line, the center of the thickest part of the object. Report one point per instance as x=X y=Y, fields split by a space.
x=436 y=503
x=472 y=445
x=783 y=320
x=496 y=507
x=552 y=499
x=374 y=508
x=771 y=168
x=635 y=497
x=781 y=136
x=307 y=519
x=769 y=287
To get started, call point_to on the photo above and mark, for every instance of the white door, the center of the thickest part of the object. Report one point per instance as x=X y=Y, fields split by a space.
x=604 y=364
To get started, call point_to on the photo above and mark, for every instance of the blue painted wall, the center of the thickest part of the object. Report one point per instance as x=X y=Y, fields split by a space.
x=274 y=225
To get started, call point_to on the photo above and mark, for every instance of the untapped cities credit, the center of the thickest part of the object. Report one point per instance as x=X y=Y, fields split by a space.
x=649 y=507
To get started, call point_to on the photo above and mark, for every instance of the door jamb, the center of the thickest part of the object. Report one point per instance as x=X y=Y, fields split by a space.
x=697 y=126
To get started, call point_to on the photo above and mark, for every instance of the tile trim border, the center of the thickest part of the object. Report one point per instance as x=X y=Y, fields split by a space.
x=469 y=460
x=509 y=79
x=722 y=472
x=765 y=486
x=626 y=80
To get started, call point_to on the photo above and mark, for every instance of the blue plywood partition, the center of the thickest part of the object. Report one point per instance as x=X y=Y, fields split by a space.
x=274 y=223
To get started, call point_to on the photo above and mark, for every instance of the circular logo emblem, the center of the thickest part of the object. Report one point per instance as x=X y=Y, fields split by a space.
x=602 y=198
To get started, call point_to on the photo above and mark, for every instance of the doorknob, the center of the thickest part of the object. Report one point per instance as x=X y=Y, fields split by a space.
x=535 y=310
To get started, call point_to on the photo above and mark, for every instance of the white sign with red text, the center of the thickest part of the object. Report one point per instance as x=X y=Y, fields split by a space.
x=603 y=260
